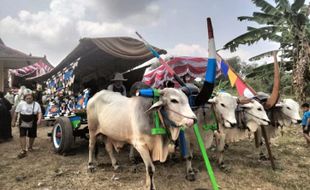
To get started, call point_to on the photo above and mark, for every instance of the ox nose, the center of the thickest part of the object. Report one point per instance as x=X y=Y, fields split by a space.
x=233 y=122
x=190 y=122
x=267 y=121
x=298 y=121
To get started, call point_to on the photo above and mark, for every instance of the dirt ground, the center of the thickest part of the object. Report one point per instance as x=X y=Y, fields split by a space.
x=43 y=169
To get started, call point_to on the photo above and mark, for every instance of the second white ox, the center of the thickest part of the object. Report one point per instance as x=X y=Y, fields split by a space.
x=224 y=105
x=129 y=120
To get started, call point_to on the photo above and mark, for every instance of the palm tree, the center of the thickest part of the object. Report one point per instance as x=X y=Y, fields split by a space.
x=287 y=24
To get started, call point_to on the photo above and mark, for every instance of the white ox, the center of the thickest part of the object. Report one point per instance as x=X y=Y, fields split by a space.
x=224 y=106
x=129 y=120
x=283 y=114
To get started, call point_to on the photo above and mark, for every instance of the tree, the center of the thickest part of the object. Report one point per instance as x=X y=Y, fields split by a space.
x=287 y=24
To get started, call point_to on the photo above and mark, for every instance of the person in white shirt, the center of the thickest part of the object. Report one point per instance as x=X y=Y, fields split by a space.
x=30 y=116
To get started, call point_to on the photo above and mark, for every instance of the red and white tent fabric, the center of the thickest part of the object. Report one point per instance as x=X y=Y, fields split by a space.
x=195 y=67
x=35 y=69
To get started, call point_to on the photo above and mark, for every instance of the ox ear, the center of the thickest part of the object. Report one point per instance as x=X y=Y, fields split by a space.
x=155 y=106
x=279 y=105
x=212 y=100
x=246 y=106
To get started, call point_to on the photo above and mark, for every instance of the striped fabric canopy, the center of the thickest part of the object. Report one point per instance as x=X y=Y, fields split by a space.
x=195 y=67
x=38 y=68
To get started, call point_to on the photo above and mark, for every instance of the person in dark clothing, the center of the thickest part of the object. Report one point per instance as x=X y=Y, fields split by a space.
x=5 y=119
x=117 y=85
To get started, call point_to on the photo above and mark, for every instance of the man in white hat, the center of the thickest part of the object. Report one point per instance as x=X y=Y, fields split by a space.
x=117 y=85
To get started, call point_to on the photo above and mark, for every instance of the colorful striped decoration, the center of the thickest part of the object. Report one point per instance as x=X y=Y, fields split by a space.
x=235 y=80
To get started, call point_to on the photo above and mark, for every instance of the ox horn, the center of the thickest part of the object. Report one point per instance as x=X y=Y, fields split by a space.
x=272 y=100
x=243 y=100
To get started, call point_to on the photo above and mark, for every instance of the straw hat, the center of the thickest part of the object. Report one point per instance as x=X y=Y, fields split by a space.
x=118 y=77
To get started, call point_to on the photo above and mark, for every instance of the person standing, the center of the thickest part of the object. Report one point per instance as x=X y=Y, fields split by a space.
x=306 y=122
x=30 y=117
x=117 y=85
x=10 y=97
x=5 y=119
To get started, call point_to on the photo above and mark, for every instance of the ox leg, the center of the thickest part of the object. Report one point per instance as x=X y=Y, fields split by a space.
x=91 y=147
x=109 y=149
x=132 y=155
x=259 y=144
x=220 y=144
x=150 y=168
x=190 y=173
x=262 y=155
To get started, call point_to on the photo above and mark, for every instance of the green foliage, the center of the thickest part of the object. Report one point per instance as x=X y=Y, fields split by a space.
x=287 y=23
x=280 y=24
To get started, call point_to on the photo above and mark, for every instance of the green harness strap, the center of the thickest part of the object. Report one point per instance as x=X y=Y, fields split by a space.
x=157 y=130
x=212 y=126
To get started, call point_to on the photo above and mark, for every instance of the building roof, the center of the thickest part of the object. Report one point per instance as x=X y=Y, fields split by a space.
x=9 y=54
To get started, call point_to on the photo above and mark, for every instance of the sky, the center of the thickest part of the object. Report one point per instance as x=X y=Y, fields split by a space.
x=54 y=27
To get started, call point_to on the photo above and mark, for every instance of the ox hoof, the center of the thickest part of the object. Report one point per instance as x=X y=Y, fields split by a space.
x=151 y=188
x=226 y=146
x=191 y=176
x=272 y=158
x=91 y=168
x=133 y=161
x=116 y=167
x=262 y=157
x=223 y=167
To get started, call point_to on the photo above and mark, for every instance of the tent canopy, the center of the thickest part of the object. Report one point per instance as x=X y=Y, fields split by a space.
x=102 y=57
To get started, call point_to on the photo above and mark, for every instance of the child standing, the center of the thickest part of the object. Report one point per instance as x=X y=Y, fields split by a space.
x=306 y=122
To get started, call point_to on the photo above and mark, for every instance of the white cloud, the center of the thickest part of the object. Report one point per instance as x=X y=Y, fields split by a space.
x=56 y=31
x=188 y=50
x=95 y=29
x=129 y=11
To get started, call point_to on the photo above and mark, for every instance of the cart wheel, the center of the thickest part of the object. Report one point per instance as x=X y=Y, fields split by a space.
x=62 y=135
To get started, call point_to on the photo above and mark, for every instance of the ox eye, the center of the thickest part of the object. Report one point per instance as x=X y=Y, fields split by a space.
x=259 y=109
x=222 y=105
x=174 y=101
x=288 y=108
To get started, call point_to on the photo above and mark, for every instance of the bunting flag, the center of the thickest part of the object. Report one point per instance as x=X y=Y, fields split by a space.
x=232 y=77
x=235 y=80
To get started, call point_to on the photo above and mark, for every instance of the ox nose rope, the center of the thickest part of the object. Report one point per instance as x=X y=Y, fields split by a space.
x=178 y=113
x=257 y=117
